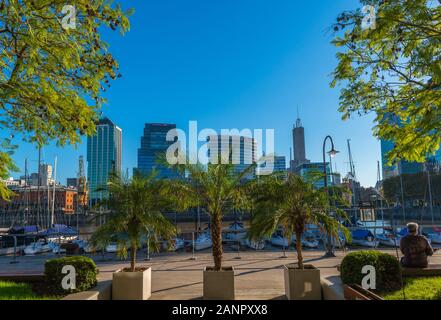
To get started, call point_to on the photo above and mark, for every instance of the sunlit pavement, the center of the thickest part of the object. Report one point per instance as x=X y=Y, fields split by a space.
x=259 y=275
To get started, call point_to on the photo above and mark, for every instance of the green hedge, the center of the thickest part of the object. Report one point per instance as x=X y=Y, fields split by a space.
x=386 y=266
x=85 y=268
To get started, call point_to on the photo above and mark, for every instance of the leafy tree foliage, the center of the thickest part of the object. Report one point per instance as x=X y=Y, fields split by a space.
x=394 y=70
x=52 y=78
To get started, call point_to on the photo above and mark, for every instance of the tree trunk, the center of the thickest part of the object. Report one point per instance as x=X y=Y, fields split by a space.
x=133 y=257
x=299 y=249
x=216 y=238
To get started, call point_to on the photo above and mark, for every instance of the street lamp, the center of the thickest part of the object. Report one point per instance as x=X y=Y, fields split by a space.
x=332 y=153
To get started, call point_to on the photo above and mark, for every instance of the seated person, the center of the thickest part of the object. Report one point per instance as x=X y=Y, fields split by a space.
x=416 y=248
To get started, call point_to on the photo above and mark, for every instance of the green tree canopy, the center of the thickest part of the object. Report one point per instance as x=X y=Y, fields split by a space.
x=393 y=68
x=51 y=77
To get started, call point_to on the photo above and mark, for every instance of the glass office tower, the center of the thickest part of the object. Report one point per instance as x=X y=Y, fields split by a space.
x=104 y=151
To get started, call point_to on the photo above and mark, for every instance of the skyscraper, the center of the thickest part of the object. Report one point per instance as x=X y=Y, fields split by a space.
x=400 y=167
x=153 y=145
x=298 y=136
x=239 y=150
x=104 y=151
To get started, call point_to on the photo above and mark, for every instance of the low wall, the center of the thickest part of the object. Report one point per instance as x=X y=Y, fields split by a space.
x=103 y=291
x=332 y=288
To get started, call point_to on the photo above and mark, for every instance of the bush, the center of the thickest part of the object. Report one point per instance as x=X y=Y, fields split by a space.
x=85 y=268
x=386 y=266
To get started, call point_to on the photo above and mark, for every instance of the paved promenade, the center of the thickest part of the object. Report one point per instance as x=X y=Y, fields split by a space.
x=259 y=275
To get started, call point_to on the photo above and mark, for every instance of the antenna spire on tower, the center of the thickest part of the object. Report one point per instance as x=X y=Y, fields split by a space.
x=298 y=122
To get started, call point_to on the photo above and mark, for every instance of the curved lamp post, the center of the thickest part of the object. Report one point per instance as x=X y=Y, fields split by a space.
x=331 y=153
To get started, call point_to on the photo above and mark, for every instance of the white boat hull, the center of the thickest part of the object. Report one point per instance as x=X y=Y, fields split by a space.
x=435 y=238
x=255 y=245
x=279 y=242
x=202 y=245
x=111 y=248
x=366 y=243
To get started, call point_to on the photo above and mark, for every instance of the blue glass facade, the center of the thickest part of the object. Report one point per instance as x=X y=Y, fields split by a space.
x=243 y=151
x=153 y=145
x=401 y=167
x=104 y=152
x=306 y=169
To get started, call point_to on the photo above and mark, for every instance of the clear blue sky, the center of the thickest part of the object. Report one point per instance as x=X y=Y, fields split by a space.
x=229 y=64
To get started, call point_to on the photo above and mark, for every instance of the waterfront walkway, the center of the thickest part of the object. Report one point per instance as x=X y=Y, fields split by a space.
x=259 y=275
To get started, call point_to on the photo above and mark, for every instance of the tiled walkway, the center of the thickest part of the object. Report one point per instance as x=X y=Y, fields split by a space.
x=259 y=275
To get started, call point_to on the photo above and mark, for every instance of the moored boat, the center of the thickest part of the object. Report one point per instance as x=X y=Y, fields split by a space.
x=364 y=238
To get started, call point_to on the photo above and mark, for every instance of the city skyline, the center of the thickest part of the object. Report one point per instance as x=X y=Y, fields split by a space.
x=251 y=66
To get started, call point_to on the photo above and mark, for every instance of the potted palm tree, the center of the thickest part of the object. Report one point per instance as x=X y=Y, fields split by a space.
x=134 y=210
x=218 y=188
x=292 y=203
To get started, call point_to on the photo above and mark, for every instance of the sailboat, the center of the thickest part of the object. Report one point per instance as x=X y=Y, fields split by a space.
x=364 y=237
x=254 y=244
x=36 y=247
x=203 y=241
x=388 y=238
x=174 y=244
x=308 y=240
x=235 y=232
x=279 y=241
x=435 y=235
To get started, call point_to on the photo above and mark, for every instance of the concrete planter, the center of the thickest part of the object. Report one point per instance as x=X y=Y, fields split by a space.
x=219 y=285
x=132 y=285
x=302 y=284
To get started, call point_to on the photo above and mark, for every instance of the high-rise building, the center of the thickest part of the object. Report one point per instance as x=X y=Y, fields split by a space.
x=237 y=150
x=154 y=145
x=298 y=136
x=400 y=167
x=72 y=182
x=104 y=152
x=279 y=163
x=312 y=170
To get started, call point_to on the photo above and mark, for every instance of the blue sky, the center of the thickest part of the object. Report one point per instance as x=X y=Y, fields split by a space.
x=228 y=64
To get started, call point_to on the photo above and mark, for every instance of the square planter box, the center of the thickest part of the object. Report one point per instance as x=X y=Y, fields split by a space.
x=219 y=285
x=302 y=284
x=132 y=285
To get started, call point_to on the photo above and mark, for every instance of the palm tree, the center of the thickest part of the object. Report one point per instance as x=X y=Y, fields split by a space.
x=135 y=212
x=216 y=187
x=292 y=203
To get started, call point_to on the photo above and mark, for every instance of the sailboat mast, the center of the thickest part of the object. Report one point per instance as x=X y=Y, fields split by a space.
x=53 y=196
x=38 y=186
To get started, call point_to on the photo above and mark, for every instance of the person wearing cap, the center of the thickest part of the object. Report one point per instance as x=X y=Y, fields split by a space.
x=415 y=248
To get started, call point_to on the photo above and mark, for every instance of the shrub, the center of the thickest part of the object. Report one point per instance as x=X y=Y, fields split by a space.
x=85 y=268
x=386 y=266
